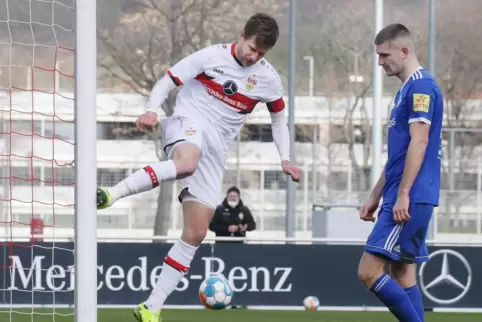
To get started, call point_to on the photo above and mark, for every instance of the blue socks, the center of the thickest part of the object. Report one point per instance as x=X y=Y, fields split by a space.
x=415 y=297
x=395 y=299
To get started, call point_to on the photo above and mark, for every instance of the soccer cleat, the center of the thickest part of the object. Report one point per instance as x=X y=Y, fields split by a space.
x=103 y=198
x=142 y=314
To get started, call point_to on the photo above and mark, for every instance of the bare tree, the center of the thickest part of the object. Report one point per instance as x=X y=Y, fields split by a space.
x=459 y=62
x=345 y=54
x=152 y=35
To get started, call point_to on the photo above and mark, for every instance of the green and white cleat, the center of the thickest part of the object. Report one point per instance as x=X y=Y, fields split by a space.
x=142 y=314
x=103 y=198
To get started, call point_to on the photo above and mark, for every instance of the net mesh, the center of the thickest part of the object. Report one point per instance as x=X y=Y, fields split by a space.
x=37 y=158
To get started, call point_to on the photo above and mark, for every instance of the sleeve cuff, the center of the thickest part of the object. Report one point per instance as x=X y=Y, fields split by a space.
x=419 y=119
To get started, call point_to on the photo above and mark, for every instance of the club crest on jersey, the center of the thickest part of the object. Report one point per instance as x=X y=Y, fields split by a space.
x=230 y=88
x=251 y=83
x=190 y=131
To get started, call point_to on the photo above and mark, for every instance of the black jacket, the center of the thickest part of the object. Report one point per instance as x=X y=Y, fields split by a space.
x=224 y=216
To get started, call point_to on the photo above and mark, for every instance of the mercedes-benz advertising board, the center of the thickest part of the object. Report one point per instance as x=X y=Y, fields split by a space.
x=260 y=274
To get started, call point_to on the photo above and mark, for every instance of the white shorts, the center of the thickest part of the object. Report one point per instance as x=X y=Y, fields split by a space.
x=206 y=183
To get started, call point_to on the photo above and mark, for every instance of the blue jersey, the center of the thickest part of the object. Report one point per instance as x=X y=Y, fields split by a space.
x=419 y=100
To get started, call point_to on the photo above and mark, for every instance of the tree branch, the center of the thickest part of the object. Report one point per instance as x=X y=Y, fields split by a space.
x=126 y=81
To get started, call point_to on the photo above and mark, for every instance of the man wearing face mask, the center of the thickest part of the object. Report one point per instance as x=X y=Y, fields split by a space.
x=232 y=218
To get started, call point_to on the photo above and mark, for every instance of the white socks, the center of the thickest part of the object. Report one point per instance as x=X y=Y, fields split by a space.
x=143 y=180
x=176 y=264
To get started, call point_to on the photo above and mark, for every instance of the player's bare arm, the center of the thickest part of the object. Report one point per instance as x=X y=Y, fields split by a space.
x=367 y=210
x=416 y=151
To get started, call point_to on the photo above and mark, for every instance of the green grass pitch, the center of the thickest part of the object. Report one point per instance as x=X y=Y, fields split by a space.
x=238 y=315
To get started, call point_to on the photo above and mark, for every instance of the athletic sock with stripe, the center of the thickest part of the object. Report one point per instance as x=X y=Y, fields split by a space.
x=144 y=180
x=176 y=265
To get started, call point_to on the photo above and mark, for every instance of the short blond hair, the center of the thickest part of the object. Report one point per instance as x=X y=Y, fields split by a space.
x=391 y=32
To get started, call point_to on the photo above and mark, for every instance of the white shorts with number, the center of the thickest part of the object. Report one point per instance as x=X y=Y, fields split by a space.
x=206 y=183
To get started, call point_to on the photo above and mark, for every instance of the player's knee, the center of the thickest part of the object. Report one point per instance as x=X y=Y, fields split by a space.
x=185 y=168
x=186 y=158
x=194 y=236
x=369 y=270
x=367 y=277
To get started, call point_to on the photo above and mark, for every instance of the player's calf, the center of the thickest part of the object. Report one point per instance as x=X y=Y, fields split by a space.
x=197 y=217
x=184 y=162
x=406 y=277
x=371 y=273
x=145 y=179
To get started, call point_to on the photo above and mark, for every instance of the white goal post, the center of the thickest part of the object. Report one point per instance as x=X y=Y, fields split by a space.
x=48 y=157
x=85 y=161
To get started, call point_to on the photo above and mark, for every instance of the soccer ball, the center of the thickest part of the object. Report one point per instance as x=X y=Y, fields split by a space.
x=215 y=292
x=311 y=303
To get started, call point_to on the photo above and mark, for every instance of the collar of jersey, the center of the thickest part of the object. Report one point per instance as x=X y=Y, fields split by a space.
x=233 y=46
x=409 y=77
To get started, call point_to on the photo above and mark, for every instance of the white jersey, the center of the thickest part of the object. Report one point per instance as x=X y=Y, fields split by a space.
x=216 y=97
x=219 y=92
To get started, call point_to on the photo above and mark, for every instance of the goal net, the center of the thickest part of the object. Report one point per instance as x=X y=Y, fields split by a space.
x=38 y=142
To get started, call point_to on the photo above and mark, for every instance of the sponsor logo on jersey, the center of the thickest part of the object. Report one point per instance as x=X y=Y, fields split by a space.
x=251 y=83
x=421 y=102
x=228 y=93
x=216 y=70
x=226 y=99
x=391 y=123
x=230 y=88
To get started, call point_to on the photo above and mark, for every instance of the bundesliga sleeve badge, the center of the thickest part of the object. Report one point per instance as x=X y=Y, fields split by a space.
x=421 y=102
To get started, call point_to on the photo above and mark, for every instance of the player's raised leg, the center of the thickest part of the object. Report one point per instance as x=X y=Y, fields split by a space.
x=183 y=163
x=197 y=217
x=184 y=152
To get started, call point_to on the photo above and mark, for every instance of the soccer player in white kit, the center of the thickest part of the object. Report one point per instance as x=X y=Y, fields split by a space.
x=221 y=85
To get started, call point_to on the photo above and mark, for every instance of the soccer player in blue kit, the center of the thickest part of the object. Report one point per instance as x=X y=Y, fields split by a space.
x=410 y=182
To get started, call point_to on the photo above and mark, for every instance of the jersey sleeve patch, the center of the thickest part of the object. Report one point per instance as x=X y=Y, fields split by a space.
x=421 y=102
x=276 y=106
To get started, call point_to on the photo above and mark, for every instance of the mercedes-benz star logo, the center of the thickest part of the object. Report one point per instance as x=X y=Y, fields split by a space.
x=445 y=276
x=230 y=88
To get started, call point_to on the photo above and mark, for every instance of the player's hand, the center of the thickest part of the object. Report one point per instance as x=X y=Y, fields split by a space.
x=243 y=227
x=147 y=120
x=400 y=210
x=291 y=170
x=233 y=228
x=367 y=210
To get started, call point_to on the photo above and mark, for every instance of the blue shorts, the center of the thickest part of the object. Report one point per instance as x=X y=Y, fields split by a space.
x=403 y=242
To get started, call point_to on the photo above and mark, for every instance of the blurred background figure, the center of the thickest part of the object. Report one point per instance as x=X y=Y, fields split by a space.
x=232 y=218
